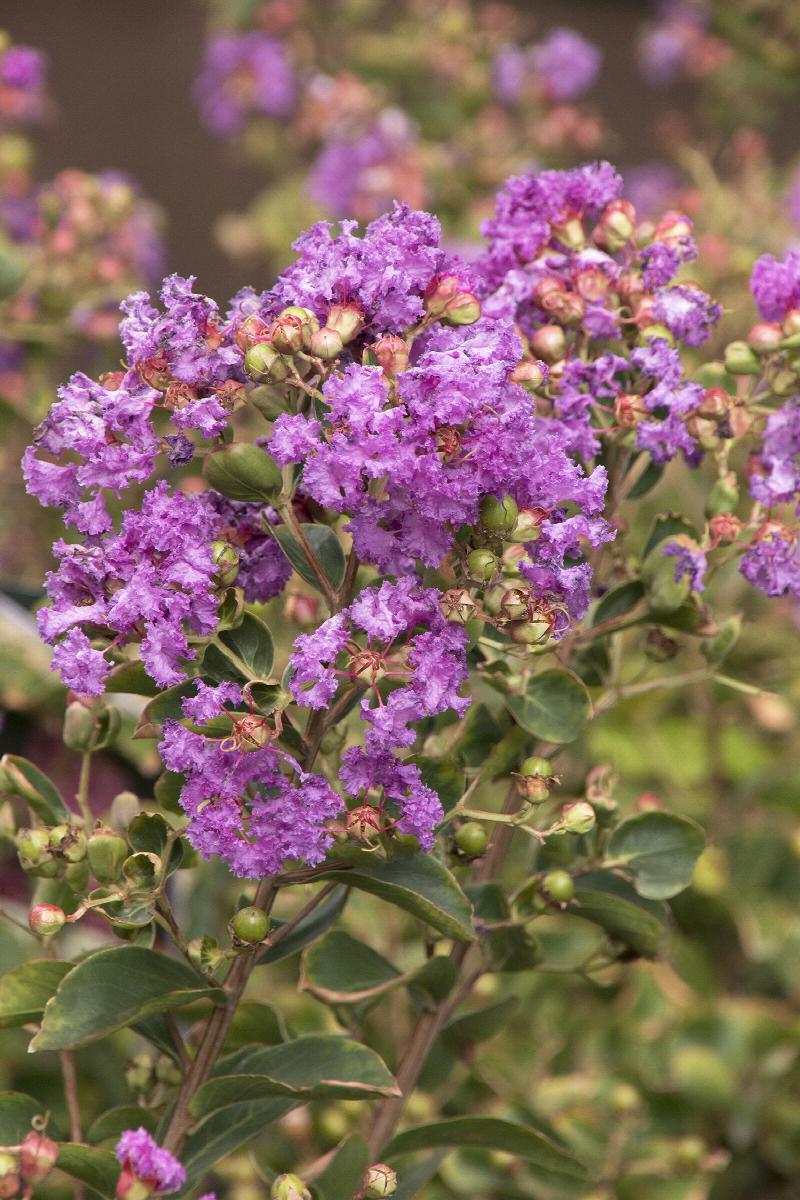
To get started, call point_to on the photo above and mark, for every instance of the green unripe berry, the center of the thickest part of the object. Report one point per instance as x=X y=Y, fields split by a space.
x=625 y=1099
x=536 y=766
x=482 y=564
x=472 y=839
x=225 y=558
x=79 y=727
x=250 y=925
x=559 y=885
x=289 y=1187
x=741 y=359
x=264 y=364
x=498 y=516
x=33 y=847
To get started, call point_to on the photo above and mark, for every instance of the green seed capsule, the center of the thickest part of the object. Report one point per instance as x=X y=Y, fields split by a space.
x=559 y=885
x=472 y=839
x=250 y=925
x=498 y=516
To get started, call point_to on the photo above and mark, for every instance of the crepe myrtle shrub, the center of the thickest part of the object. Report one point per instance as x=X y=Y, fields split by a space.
x=444 y=462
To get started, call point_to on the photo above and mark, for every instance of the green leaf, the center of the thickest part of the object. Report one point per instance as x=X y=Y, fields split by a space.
x=227 y=1130
x=325 y=546
x=24 y=990
x=411 y=1182
x=660 y=849
x=412 y=881
x=255 y=1023
x=555 y=707
x=618 y=601
x=646 y=481
x=114 y=1122
x=16 y=1114
x=242 y=654
x=512 y=948
x=668 y=525
x=308 y=930
x=444 y=775
x=21 y=778
x=131 y=677
x=339 y=969
x=115 y=988
x=242 y=471
x=611 y=902
x=98 y=1169
x=312 y=1067
x=343 y=1174
x=480 y=1024
x=492 y=1133
x=166 y=706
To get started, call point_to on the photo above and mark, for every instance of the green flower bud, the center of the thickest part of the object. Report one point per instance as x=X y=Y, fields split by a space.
x=740 y=359
x=250 y=925
x=326 y=344
x=242 y=471
x=79 y=727
x=482 y=564
x=535 y=765
x=109 y=723
x=286 y=334
x=225 y=558
x=308 y=321
x=472 y=839
x=166 y=1071
x=289 y=1187
x=498 y=516
x=46 y=919
x=264 y=364
x=625 y=1099
x=379 y=1181
x=463 y=309
x=578 y=817
x=33 y=848
x=559 y=885
x=106 y=852
x=765 y=337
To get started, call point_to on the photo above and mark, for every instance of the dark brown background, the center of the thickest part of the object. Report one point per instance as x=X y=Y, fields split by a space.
x=121 y=72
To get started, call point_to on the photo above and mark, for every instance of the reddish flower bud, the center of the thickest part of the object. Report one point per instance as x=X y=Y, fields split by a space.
x=724 y=528
x=250 y=332
x=765 y=337
x=286 y=335
x=463 y=309
x=569 y=232
x=546 y=287
x=531 y=374
x=391 y=353
x=791 y=322
x=616 y=226
x=326 y=344
x=567 y=307
x=578 y=817
x=346 y=319
x=628 y=410
x=37 y=1156
x=592 y=284
x=9 y=1175
x=438 y=294
x=549 y=343
x=673 y=227
x=46 y=919
x=303 y=610
x=630 y=286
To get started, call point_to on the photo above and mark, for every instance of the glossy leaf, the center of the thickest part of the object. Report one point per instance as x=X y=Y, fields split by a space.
x=618 y=601
x=343 y=1174
x=166 y=706
x=115 y=1121
x=315 y=1066
x=132 y=678
x=241 y=654
x=16 y=1113
x=491 y=1133
x=339 y=969
x=325 y=546
x=308 y=930
x=612 y=902
x=242 y=471
x=115 y=988
x=25 y=989
x=412 y=881
x=226 y=1130
x=555 y=707
x=660 y=849
x=21 y=778
x=98 y=1169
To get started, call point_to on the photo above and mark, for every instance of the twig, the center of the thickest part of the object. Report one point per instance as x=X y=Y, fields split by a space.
x=291 y=925
x=67 y=1060
x=82 y=795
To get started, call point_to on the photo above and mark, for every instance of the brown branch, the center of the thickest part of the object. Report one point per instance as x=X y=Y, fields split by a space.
x=69 y=1075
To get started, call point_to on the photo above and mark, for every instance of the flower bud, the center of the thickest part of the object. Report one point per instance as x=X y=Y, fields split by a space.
x=530 y=374
x=106 y=852
x=472 y=839
x=569 y=232
x=345 y=319
x=482 y=565
x=781 y=378
x=438 y=294
x=567 y=307
x=308 y=321
x=463 y=309
x=225 y=558
x=791 y=323
x=46 y=919
x=250 y=925
x=724 y=495
x=654 y=330
x=379 y=1181
x=326 y=344
x=498 y=516
x=37 y=1156
x=529 y=524
x=125 y=806
x=592 y=284
x=289 y=1187
x=33 y=848
x=549 y=343
x=616 y=226
x=765 y=337
x=559 y=886
x=264 y=364
x=68 y=842
x=740 y=359
x=79 y=727
x=9 y=1176
x=391 y=353
x=286 y=335
x=457 y=606
x=724 y=528
x=578 y=817
x=250 y=331
x=673 y=227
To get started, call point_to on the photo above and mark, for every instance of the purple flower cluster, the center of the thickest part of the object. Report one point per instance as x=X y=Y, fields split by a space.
x=671 y=42
x=264 y=569
x=564 y=66
x=244 y=75
x=429 y=667
x=776 y=285
x=242 y=804
x=563 y=261
x=356 y=172
x=22 y=84
x=143 y=1159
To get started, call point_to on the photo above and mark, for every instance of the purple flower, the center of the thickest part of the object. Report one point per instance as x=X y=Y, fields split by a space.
x=240 y=804
x=141 y=1155
x=776 y=285
x=351 y=170
x=81 y=667
x=264 y=569
x=418 y=807
x=688 y=313
x=778 y=479
x=22 y=84
x=566 y=63
x=689 y=561
x=244 y=74
x=772 y=561
x=510 y=68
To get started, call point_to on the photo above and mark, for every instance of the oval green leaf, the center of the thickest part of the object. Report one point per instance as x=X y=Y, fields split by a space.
x=660 y=850
x=22 y=778
x=25 y=990
x=555 y=707
x=242 y=654
x=612 y=903
x=325 y=546
x=242 y=471
x=98 y=1169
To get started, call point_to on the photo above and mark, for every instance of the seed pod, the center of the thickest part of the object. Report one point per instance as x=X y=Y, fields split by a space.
x=482 y=564
x=498 y=516
x=250 y=925
x=559 y=886
x=33 y=847
x=69 y=842
x=106 y=852
x=379 y=1181
x=225 y=558
x=264 y=364
x=472 y=839
x=740 y=359
x=578 y=818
